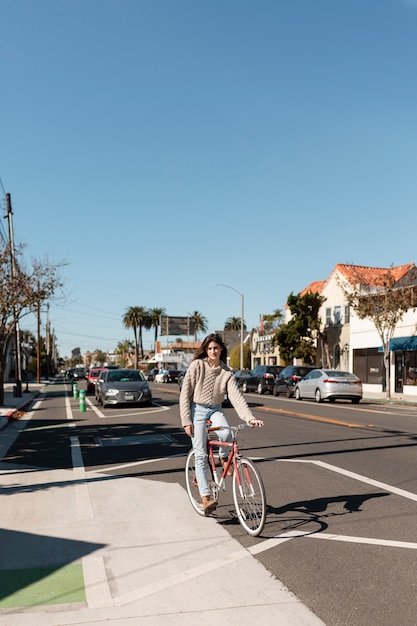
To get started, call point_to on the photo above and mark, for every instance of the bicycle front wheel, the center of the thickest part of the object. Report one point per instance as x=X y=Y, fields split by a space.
x=191 y=482
x=249 y=497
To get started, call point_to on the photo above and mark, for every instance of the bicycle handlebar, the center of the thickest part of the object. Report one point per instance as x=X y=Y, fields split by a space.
x=233 y=428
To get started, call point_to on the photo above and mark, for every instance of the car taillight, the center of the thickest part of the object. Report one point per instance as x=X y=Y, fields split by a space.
x=269 y=376
x=330 y=380
x=295 y=378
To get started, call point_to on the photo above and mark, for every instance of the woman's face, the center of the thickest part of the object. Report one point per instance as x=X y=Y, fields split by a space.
x=213 y=351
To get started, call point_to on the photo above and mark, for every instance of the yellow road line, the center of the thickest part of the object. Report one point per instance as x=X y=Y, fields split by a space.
x=315 y=418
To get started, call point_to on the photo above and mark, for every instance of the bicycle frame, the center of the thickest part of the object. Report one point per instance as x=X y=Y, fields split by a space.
x=234 y=455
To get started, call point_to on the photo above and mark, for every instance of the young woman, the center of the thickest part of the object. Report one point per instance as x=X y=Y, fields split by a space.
x=203 y=389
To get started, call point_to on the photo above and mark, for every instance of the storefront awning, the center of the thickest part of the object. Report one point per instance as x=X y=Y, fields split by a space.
x=402 y=344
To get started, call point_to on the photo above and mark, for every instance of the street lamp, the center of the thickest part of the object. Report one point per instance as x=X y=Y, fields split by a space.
x=242 y=297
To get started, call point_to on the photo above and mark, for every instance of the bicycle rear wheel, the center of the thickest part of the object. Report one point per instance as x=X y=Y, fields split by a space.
x=249 y=497
x=192 y=486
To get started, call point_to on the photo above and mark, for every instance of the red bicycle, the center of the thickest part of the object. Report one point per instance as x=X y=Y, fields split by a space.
x=248 y=489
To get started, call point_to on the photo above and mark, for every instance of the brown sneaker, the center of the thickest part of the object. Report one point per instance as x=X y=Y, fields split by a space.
x=209 y=505
x=223 y=462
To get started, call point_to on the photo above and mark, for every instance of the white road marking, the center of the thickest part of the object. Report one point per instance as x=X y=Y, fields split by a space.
x=269 y=544
x=363 y=479
x=152 y=409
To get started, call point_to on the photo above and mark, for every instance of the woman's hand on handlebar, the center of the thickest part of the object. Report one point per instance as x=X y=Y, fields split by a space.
x=256 y=423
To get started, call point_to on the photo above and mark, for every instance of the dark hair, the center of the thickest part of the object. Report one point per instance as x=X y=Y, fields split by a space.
x=201 y=352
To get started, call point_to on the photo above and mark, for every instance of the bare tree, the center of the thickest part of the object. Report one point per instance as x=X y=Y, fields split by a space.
x=382 y=296
x=21 y=292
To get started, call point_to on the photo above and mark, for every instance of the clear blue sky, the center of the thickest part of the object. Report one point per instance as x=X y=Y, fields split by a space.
x=160 y=146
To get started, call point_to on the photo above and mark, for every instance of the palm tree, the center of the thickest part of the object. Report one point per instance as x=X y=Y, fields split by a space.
x=155 y=320
x=136 y=317
x=233 y=323
x=199 y=321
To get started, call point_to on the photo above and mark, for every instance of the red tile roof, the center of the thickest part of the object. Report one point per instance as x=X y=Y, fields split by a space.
x=315 y=287
x=371 y=275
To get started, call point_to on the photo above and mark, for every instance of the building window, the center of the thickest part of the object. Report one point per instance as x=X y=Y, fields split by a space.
x=328 y=317
x=347 y=314
x=337 y=315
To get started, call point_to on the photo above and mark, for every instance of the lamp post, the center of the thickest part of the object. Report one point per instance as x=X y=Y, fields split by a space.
x=242 y=297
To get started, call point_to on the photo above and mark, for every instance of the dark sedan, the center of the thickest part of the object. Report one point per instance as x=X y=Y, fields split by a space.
x=287 y=379
x=261 y=379
x=122 y=386
x=172 y=376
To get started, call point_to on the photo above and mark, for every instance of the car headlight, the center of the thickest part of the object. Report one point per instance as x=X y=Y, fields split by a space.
x=111 y=392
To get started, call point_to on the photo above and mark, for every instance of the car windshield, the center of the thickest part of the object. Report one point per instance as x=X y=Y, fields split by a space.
x=124 y=376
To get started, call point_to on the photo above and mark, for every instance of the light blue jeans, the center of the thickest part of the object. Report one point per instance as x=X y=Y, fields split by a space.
x=200 y=413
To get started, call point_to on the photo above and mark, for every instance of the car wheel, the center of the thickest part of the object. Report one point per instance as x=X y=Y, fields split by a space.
x=297 y=394
x=244 y=387
x=318 y=396
x=355 y=400
x=289 y=392
x=259 y=389
x=276 y=392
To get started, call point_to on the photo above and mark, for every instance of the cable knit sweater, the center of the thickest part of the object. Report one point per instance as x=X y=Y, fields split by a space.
x=203 y=384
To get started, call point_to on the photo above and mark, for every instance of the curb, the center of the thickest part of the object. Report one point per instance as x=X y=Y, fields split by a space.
x=7 y=417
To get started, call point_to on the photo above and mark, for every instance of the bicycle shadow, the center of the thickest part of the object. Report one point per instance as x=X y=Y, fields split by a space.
x=305 y=517
x=315 y=512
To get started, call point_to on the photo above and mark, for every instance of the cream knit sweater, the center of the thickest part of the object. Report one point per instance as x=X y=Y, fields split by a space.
x=203 y=384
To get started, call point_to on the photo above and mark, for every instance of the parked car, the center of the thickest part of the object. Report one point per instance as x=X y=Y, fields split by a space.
x=92 y=376
x=78 y=373
x=171 y=376
x=261 y=379
x=122 y=386
x=286 y=380
x=150 y=374
x=329 y=385
x=240 y=374
x=159 y=377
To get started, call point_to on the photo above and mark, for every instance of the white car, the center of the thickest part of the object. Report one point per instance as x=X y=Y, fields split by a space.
x=160 y=376
x=329 y=385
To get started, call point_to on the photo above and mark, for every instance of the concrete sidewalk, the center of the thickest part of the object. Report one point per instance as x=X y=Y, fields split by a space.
x=93 y=549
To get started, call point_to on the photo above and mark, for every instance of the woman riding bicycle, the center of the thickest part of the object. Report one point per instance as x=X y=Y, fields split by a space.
x=205 y=384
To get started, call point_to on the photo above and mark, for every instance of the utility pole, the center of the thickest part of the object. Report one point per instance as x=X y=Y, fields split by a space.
x=18 y=364
x=38 y=344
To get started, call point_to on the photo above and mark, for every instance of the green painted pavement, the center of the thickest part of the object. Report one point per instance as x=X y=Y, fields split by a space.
x=42 y=585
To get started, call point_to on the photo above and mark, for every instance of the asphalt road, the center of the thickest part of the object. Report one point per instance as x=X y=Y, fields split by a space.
x=341 y=485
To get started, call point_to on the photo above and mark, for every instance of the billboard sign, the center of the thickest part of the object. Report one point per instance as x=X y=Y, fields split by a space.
x=176 y=325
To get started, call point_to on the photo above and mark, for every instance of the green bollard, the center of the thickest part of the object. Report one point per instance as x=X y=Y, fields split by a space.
x=75 y=391
x=82 y=401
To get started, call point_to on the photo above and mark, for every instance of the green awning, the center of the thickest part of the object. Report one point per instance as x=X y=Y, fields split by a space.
x=403 y=344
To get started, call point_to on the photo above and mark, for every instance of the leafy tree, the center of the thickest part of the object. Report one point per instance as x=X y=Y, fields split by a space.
x=136 y=317
x=272 y=321
x=200 y=323
x=234 y=323
x=155 y=320
x=297 y=338
x=234 y=360
x=101 y=357
x=21 y=292
x=383 y=297
x=123 y=350
x=76 y=357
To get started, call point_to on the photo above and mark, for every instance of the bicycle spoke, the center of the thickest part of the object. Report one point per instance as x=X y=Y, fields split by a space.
x=249 y=497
